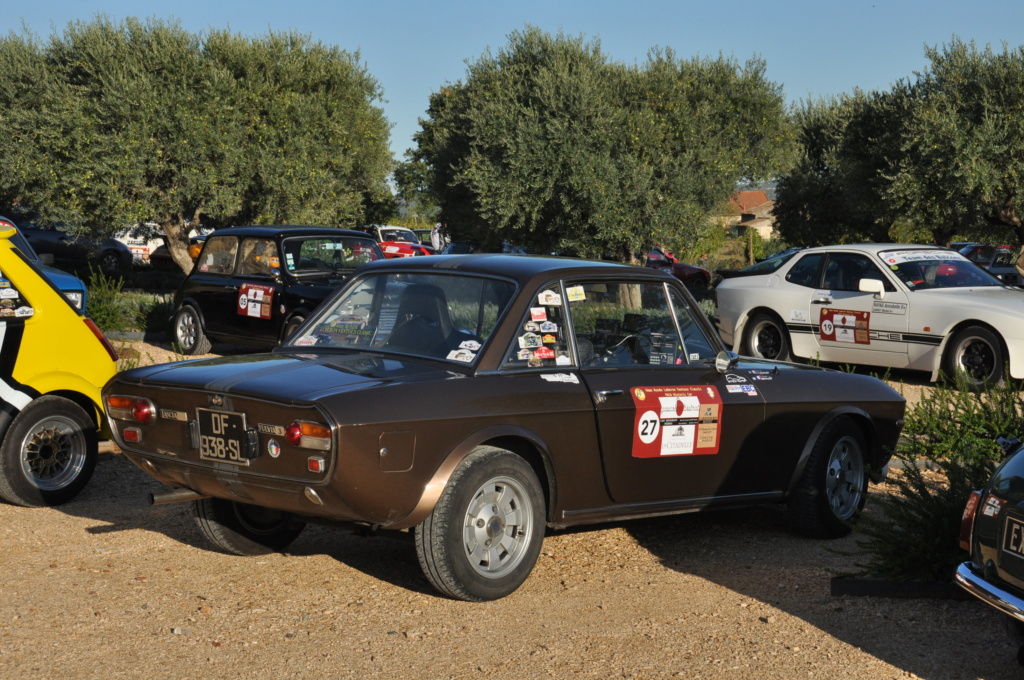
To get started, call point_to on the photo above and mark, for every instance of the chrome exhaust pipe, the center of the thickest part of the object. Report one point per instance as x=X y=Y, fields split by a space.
x=174 y=496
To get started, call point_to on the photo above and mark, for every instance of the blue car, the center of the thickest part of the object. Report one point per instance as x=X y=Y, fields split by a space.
x=70 y=286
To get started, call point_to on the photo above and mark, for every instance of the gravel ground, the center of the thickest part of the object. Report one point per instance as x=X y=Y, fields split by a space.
x=110 y=587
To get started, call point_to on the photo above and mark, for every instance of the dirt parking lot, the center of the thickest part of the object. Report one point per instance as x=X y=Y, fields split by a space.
x=111 y=587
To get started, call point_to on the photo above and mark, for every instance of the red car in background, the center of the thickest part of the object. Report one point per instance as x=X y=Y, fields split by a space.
x=696 y=279
x=397 y=241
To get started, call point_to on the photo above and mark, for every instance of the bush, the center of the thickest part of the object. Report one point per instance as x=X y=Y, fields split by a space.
x=116 y=310
x=947 y=451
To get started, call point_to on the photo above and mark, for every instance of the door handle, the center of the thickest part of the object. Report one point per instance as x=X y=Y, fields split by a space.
x=822 y=301
x=602 y=395
x=230 y=287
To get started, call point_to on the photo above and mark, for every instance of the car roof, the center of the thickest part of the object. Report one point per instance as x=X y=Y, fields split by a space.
x=270 y=231
x=872 y=248
x=520 y=267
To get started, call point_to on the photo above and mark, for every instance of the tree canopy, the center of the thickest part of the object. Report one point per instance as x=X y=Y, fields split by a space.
x=109 y=125
x=551 y=146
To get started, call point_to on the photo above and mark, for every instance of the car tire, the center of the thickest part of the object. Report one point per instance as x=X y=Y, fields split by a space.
x=49 y=453
x=188 y=332
x=291 y=326
x=110 y=262
x=766 y=337
x=833 y=486
x=698 y=287
x=978 y=353
x=484 y=535
x=242 y=529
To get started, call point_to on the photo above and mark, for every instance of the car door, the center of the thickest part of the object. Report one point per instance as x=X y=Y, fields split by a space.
x=855 y=326
x=670 y=426
x=212 y=286
x=258 y=277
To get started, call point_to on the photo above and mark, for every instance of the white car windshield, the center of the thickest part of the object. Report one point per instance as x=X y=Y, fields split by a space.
x=440 y=316
x=933 y=268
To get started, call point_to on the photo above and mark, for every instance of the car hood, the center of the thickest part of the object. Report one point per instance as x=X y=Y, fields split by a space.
x=287 y=376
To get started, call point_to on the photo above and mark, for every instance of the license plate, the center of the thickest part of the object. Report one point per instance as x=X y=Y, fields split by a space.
x=1013 y=536
x=222 y=436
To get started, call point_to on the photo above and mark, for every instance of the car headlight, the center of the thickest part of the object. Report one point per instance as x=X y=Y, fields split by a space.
x=75 y=298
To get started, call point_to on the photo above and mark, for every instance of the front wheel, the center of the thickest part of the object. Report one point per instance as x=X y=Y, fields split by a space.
x=49 y=453
x=241 y=529
x=978 y=353
x=485 y=533
x=766 y=338
x=188 y=332
x=833 y=488
x=292 y=326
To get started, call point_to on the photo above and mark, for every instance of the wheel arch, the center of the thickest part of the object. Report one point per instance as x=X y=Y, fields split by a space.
x=940 y=356
x=302 y=312
x=741 y=326
x=858 y=417
x=520 y=441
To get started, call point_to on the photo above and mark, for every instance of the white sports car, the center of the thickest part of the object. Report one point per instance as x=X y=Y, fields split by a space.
x=903 y=306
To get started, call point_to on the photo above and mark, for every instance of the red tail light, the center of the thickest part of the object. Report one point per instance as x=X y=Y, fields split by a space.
x=102 y=338
x=308 y=435
x=131 y=408
x=967 y=520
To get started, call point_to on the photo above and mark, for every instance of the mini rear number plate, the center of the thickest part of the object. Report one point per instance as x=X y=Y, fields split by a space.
x=1013 y=536
x=222 y=436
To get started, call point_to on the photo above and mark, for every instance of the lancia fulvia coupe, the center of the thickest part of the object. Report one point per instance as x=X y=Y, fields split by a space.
x=477 y=400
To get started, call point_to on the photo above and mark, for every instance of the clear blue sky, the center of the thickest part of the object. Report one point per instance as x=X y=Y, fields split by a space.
x=812 y=47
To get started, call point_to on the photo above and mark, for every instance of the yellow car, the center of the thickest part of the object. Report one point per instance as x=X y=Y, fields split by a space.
x=53 y=364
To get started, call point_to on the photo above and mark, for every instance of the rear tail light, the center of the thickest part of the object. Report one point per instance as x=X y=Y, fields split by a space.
x=102 y=338
x=131 y=408
x=967 y=520
x=309 y=435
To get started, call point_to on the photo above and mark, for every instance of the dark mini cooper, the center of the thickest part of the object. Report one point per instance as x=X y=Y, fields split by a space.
x=256 y=285
x=479 y=399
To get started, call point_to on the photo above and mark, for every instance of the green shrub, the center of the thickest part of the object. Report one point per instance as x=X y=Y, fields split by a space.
x=115 y=309
x=952 y=432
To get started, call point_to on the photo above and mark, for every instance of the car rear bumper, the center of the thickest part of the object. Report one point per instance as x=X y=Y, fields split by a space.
x=970 y=580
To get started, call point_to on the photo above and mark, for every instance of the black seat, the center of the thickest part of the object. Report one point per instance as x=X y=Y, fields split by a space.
x=423 y=324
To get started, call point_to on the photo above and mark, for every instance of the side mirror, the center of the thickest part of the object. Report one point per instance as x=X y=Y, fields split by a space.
x=872 y=286
x=726 y=361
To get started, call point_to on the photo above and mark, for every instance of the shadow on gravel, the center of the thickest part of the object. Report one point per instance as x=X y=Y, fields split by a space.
x=752 y=553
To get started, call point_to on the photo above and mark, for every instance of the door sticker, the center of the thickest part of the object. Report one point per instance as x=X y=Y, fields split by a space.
x=841 y=325
x=255 y=300
x=674 y=421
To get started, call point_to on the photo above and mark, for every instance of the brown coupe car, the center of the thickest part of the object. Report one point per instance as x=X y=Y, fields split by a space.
x=479 y=399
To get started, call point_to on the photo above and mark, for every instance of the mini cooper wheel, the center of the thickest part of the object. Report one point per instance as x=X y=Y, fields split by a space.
x=242 y=529
x=767 y=338
x=292 y=326
x=48 y=454
x=485 y=533
x=188 y=332
x=978 y=353
x=833 y=487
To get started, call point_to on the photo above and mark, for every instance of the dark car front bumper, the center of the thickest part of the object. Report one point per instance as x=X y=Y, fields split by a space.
x=968 y=578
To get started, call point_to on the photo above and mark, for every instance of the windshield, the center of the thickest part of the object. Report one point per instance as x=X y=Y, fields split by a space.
x=320 y=254
x=934 y=268
x=398 y=235
x=440 y=316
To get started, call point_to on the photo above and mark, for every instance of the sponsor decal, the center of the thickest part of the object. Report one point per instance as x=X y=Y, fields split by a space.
x=549 y=327
x=549 y=298
x=8 y=292
x=563 y=359
x=733 y=378
x=255 y=300
x=575 y=294
x=538 y=314
x=883 y=307
x=273 y=448
x=470 y=345
x=530 y=341
x=531 y=327
x=560 y=378
x=676 y=421
x=745 y=389
x=544 y=353
x=798 y=315
x=463 y=355
x=992 y=506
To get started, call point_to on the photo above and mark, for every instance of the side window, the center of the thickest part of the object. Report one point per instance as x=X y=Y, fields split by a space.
x=623 y=324
x=845 y=270
x=541 y=341
x=696 y=345
x=218 y=257
x=259 y=257
x=805 y=271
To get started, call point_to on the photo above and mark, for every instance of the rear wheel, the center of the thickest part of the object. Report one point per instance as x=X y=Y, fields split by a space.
x=188 y=332
x=485 y=533
x=292 y=326
x=48 y=454
x=978 y=353
x=766 y=337
x=833 y=487
x=242 y=529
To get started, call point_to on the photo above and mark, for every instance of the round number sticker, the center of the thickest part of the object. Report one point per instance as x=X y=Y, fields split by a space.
x=649 y=427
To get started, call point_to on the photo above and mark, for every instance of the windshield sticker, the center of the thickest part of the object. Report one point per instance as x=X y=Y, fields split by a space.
x=741 y=389
x=563 y=359
x=674 y=421
x=544 y=353
x=897 y=257
x=575 y=294
x=549 y=298
x=530 y=341
x=463 y=355
x=255 y=300
x=470 y=345
x=538 y=314
x=883 y=307
x=560 y=377
x=531 y=326
x=549 y=327
x=524 y=354
x=8 y=293
x=305 y=341
x=549 y=339
x=841 y=325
